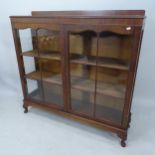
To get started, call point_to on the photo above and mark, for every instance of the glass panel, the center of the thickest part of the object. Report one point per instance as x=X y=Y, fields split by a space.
x=53 y=94
x=114 y=55
x=110 y=94
x=33 y=78
x=114 y=50
x=34 y=90
x=42 y=61
x=28 y=42
x=32 y=67
x=83 y=47
x=50 y=62
x=82 y=88
x=52 y=81
x=49 y=44
x=82 y=71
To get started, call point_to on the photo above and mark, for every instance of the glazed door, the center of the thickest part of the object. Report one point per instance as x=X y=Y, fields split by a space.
x=42 y=56
x=115 y=47
x=99 y=65
x=81 y=42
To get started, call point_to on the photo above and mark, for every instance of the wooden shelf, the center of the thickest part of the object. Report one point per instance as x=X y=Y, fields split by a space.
x=86 y=60
x=47 y=94
x=78 y=106
x=51 y=55
x=46 y=77
x=79 y=83
x=101 y=62
x=34 y=75
x=109 y=89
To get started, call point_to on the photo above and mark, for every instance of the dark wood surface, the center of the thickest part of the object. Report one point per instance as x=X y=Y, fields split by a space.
x=54 y=90
x=103 y=14
x=80 y=83
x=88 y=60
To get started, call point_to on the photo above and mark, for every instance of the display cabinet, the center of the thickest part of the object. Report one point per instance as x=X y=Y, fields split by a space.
x=80 y=64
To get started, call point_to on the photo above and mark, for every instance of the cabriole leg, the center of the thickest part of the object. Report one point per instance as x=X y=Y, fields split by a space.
x=129 y=120
x=123 y=137
x=25 y=109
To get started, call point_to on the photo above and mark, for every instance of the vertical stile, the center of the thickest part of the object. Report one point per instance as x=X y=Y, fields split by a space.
x=40 y=65
x=20 y=61
x=63 y=67
x=131 y=76
x=66 y=69
x=96 y=70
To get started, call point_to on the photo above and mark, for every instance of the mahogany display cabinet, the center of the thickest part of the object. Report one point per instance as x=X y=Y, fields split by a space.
x=80 y=64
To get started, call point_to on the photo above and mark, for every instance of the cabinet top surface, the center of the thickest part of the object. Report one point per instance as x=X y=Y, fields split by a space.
x=87 y=14
x=102 y=18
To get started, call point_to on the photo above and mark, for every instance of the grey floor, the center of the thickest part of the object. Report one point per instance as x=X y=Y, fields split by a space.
x=43 y=133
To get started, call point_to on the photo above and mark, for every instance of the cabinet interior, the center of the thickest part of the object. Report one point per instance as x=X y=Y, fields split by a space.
x=98 y=70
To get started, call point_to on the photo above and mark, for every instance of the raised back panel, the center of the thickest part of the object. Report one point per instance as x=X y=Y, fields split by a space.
x=109 y=13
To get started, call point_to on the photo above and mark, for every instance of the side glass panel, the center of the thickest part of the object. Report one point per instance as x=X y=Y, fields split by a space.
x=42 y=62
x=33 y=80
x=82 y=71
x=50 y=64
x=52 y=81
x=28 y=42
x=113 y=59
x=35 y=91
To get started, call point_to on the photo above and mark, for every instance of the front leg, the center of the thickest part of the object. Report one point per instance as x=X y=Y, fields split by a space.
x=25 y=109
x=123 y=136
x=129 y=120
x=25 y=106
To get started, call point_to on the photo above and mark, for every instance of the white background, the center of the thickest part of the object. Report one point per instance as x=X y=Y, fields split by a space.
x=144 y=94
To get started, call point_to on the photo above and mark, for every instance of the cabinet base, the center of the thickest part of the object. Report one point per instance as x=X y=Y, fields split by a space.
x=122 y=133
